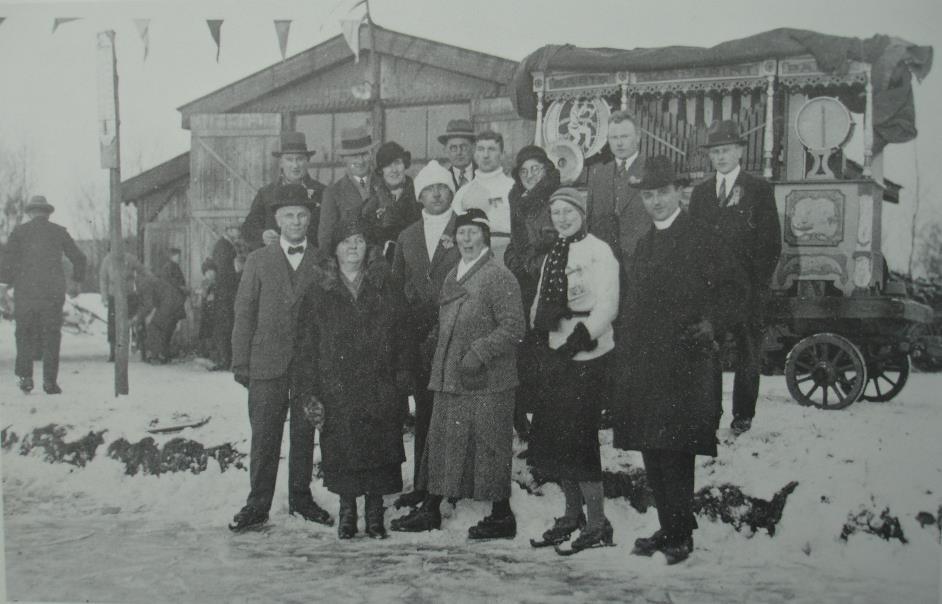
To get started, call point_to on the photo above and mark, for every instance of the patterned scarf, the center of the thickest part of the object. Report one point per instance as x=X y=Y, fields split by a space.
x=554 y=291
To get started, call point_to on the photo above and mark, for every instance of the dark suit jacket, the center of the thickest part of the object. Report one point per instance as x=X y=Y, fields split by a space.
x=173 y=274
x=750 y=228
x=261 y=217
x=619 y=222
x=32 y=261
x=454 y=178
x=342 y=202
x=421 y=280
x=267 y=306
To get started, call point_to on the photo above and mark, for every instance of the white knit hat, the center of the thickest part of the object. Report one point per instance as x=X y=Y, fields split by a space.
x=433 y=173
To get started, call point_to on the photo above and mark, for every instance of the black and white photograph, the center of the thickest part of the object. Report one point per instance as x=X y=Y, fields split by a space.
x=470 y=301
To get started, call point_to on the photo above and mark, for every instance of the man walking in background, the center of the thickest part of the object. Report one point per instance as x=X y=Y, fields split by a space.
x=32 y=266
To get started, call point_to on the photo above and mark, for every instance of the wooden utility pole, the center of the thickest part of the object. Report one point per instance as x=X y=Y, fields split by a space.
x=109 y=140
x=377 y=115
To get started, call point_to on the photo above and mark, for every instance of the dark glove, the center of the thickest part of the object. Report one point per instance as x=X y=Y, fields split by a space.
x=700 y=333
x=549 y=315
x=241 y=377
x=313 y=411
x=578 y=341
x=405 y=382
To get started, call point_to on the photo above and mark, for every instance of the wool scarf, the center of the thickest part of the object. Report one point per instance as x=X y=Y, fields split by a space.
x=554 y=291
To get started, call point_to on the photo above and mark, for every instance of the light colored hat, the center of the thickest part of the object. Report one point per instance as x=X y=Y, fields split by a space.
x=571 y=196
x=354 y=141
x=38 y=203
x=433 y=173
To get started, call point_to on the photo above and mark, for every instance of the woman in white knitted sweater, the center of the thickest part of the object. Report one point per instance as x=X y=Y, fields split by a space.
x=577 y=301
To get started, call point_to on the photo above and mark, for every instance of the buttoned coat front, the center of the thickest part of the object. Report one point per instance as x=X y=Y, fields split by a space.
x=619 y=221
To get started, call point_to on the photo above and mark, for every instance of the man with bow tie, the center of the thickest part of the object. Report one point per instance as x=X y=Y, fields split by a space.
x=614 y=210
x=740 y=208
x=269 y=358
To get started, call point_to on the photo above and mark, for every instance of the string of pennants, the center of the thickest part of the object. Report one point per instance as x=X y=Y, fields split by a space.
x=349 y=26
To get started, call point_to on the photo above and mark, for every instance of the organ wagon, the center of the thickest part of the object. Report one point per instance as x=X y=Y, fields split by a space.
x=807 y=103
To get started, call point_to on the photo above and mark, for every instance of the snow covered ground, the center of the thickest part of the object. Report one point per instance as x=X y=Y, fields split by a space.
x=94 y=533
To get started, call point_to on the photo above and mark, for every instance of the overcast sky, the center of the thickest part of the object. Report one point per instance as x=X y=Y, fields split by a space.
x=48 y=95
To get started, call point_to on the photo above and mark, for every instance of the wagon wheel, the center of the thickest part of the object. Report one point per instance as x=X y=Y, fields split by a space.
x=886 y=377
x=826 y=371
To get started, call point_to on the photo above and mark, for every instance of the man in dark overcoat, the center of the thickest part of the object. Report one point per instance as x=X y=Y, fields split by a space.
x=344 y=198
x=161 y=308
x=172 y=272
x=259 y=227
x=32 y=266
x=686 y=288
x=267 y=358
x=615 y=213
x=227 y=282
x=740 y=208
x=425 y=253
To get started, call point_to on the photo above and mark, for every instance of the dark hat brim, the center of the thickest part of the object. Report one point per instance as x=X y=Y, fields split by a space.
x=297 y=152
x=48 y=208
x=356 y=150
x=443 y=138
x=719 y=143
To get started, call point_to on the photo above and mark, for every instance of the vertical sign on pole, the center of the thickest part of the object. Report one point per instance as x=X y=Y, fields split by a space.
x=109 y=145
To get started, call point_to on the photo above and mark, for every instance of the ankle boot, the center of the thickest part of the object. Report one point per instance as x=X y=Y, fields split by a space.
x=374 y=517
x=347 y=526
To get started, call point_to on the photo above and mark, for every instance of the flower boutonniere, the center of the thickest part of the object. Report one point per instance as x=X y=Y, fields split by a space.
x=447 y=241
x=633 y=180
x=380 y=212
x=735 y=196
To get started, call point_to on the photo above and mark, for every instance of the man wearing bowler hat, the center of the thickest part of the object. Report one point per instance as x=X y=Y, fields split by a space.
x=458 y=141
x=344 y=199
x=259 y=227
x=740 y=208
x=270 y=358
x=32 y=266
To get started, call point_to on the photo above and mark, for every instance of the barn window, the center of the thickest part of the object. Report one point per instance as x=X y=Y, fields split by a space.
x=417 y=128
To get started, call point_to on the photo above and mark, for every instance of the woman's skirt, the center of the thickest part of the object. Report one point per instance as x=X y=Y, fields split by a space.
x=564 y=435
x=469 y=449
x=373 y=481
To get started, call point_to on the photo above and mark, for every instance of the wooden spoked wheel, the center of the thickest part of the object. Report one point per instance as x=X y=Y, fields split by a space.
x=886 y=377
x=826 y=371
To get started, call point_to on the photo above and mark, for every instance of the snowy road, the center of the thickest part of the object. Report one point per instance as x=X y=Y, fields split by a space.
x=97 y=534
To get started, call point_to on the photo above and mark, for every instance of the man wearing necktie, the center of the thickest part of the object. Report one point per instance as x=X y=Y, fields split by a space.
x=740 y=208
x=344 y=199
x=615 y=213
x=458 y=141
x=274 y=362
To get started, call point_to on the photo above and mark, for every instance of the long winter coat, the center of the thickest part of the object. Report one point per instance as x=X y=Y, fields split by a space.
x=32 y=262
x=357 y=351
x=532 y=233
x=480 y=314
x=665 y=395
x=750 y=227
x=615 y=212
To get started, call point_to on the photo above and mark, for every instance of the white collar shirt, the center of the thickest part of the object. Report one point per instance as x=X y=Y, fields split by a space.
x=293 y=259
x=730 y=179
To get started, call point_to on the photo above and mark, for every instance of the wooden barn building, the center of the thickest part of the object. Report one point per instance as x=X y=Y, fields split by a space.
x=187 y=201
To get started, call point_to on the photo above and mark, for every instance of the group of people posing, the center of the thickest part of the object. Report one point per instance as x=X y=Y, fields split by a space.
x=488 y=298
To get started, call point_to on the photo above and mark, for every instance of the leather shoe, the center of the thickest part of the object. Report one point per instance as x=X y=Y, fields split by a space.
x=311 y=512
x=25 y=384
x=51 y=388
x=375 y=528
x=348 y=518
x=646 y=546
x=409 y=500
x=740 y=425
x=247 y=518
x=425 y=518
x=677 y=550
x=492 y=527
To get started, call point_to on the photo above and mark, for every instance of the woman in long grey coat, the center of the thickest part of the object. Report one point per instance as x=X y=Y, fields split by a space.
x=686 y=287
x=470 y=442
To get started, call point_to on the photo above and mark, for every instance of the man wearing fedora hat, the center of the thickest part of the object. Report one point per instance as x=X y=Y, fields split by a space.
x=344 y=198
x=686 y=287
x=269 y=358
x=32 y=266
x=458 y=141
x=259 y=227
x=740 y=208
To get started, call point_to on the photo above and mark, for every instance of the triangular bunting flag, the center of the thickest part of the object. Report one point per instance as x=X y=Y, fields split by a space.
x=215 y=29
x=281 y=28
x=351 y=33
x=61 y=20
x=143 y=28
